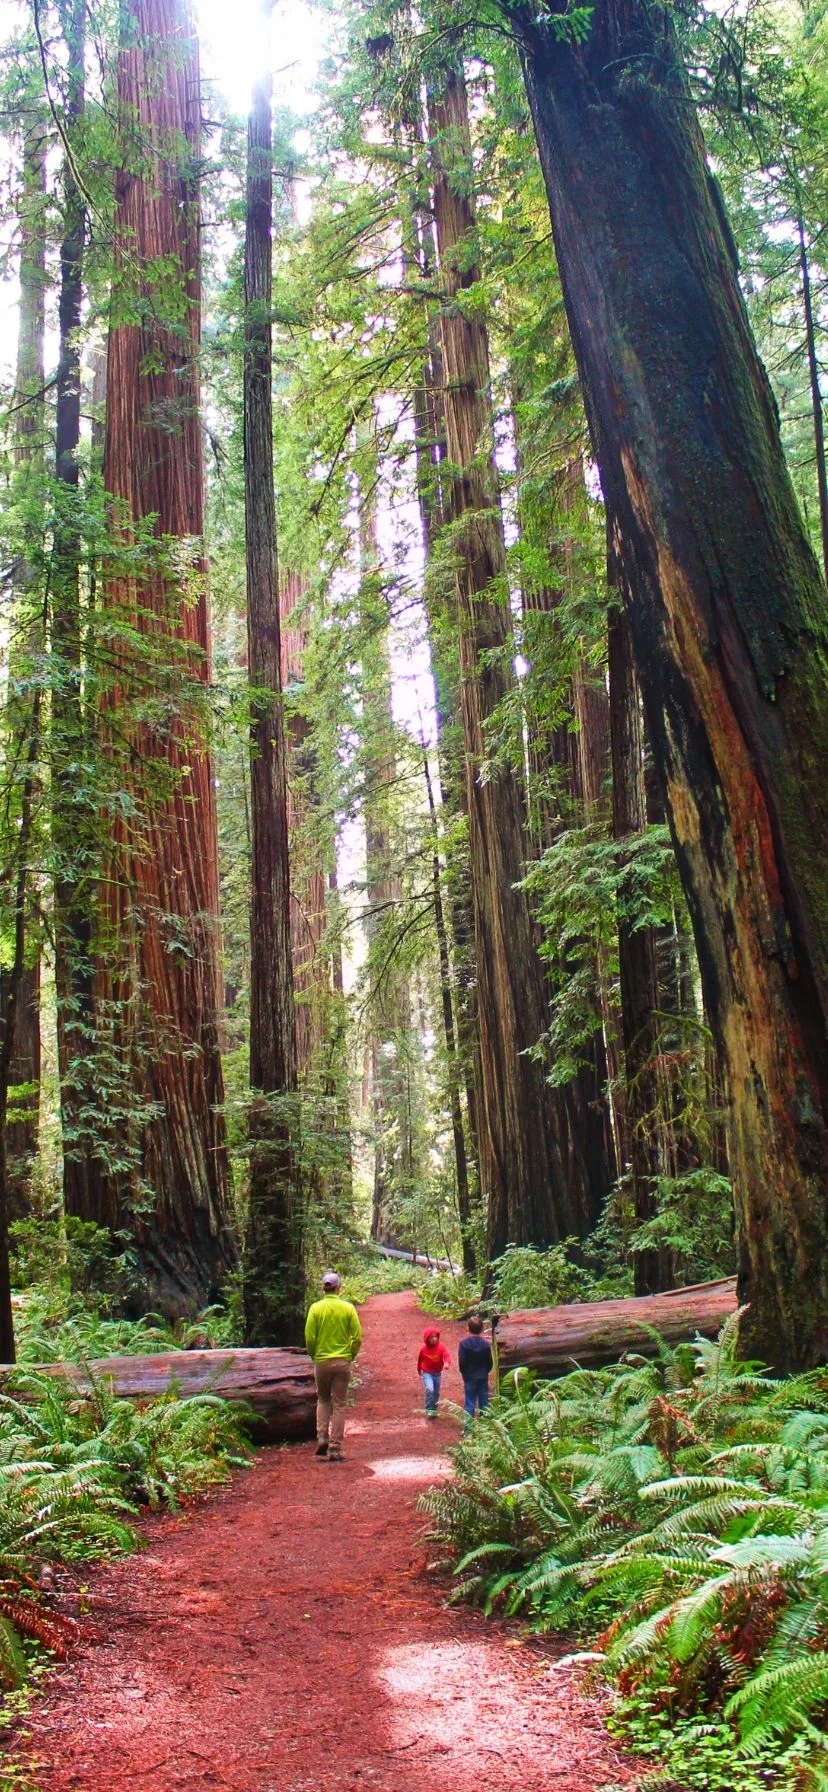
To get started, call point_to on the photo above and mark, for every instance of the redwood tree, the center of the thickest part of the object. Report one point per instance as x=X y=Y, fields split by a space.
x=26 y=644
x=20 y=724
x=458 y=993
x=568 y=786
x=308 y=884
x=464 y=1202
x=157 y=990
x=75 y=825
x=526 y=1143
x=636 y=948
x=273 y=1279
x=389 y=1014
x=728 y=609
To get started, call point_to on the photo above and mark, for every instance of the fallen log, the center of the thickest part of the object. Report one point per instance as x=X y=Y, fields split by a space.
x=277 y=1385
x=589 y=1334
x=420 y=1259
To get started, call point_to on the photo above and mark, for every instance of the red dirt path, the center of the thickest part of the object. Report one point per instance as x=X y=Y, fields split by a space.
x=283 y=1637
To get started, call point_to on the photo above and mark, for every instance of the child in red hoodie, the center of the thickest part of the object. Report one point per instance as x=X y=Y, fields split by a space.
x=431 y=1362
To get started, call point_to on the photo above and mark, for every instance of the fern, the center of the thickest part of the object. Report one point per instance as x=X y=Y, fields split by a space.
x=777 y=1700
x=707 y=1572
x=14 y=1665
x=72 y=1473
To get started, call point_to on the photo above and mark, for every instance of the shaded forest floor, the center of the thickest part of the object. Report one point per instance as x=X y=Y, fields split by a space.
x=284 y=1636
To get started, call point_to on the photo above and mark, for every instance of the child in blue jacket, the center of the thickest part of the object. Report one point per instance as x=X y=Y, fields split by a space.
x=474 y=1360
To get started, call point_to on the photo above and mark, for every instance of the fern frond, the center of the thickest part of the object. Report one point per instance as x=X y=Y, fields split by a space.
x=776 y=1700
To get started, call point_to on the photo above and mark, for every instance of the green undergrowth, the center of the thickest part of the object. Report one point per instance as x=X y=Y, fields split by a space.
x=448 y=1296
x=73 y=1475
x=672 y=1515
x=366 y=1274
x=15 y=1777
x=71 y=1279
x=75 y=1472
x=522 y=1277
x=76 y=1330
x=691 y=1755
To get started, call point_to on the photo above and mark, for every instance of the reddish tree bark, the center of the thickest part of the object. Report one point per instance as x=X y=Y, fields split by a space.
x=76 y=830
x=158 y=992
x=728 y=611
x=26 y=645
x=636 y=948
x=526 y=1139
x=464 y=1206
x=458 y=988
x=308 y=884
x=460 y=1036
x=573 y=763
x=273 y=1274
x=389 y=1018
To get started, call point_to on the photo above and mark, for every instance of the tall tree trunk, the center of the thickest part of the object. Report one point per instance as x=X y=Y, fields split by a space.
x=308 y=884
x=636 y=948
x=430 y=448
x=30 y=749
x=464 y=1209
x=727 y=608
x=573 y=763
x=389 y=1012
x=316 y=942
x=274 y=1272
x=599 y=1129
x=680 y=1144
x=26 y=644
x=458 y=993
x=523 y=1122
x=76 y=842
x=816 y=391
x=157 y=993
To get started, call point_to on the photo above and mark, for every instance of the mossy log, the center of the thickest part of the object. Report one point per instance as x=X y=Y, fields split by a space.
x=277 y=1385
x=553 y=1340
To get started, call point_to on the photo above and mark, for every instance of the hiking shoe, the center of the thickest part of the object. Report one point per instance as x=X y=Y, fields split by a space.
x=335 y=1456
x=322 y=1449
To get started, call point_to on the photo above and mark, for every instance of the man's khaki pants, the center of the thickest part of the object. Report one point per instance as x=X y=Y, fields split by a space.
x=332 y=1378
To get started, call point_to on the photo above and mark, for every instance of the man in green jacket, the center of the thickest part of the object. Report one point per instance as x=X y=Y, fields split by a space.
x=333 y=1336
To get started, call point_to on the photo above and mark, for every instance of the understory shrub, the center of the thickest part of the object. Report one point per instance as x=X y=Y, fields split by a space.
x=448 y=1296
x=522 y=1277
x=77 y=1331
x=676 y=1510
x=70 y=1276
x=526 y=1277
x=365 y=1274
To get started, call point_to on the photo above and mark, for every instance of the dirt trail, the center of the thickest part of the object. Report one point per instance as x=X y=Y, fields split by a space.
x=283 y=1637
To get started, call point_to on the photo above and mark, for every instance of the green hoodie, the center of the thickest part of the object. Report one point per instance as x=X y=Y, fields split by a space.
x=332 y=1328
